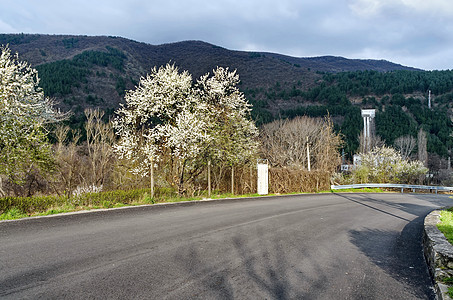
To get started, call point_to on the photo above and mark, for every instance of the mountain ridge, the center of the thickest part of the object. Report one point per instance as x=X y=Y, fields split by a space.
x=50 y=54
x=82 y=42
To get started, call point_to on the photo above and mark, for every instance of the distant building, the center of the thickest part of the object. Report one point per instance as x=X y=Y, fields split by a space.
x=349 y=168
x=346 y=168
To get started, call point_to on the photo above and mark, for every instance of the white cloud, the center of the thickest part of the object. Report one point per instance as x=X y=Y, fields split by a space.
x=372 y=8
x=437 y=7
x=4 y=27
x=366 y=8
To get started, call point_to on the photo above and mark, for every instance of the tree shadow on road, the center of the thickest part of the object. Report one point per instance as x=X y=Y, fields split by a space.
x=394 y=202
x=257 y=264
x=250 y=272
x=398 y=254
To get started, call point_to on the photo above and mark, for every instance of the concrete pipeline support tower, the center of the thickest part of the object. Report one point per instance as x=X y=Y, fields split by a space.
x=368 y=128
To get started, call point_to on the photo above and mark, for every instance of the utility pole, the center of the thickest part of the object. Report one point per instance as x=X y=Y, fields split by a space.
x=308 y=155
x=429 y=99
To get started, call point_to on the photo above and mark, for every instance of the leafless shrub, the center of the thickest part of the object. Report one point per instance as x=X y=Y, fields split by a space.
x=99 y=145
x=375 y=141
x=284 y=143
x=33 y=181
x=293 y=147
x=405 y=145
x=70 y=163
x=422 y=147
x=287 y=180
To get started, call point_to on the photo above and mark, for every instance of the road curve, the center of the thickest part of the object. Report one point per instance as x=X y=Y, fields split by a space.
x=326 y=246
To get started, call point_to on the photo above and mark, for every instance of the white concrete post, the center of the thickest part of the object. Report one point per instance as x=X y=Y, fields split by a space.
x=263 y=177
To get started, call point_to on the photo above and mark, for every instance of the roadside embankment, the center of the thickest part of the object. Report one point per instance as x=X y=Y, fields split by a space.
x=438 y=253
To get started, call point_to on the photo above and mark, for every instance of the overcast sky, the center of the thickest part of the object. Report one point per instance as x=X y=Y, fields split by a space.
x=417 y=33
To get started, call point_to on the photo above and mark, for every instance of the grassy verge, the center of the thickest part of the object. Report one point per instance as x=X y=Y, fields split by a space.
x=362 y=190
x=449 y=282
x=446 y=227
x=446 y=224
x=21 y=207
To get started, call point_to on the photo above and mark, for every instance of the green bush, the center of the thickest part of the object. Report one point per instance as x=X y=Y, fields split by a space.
x=107 y=199
x=19 y=207
x=112 y=197
x=30 y=204
x=12 y=214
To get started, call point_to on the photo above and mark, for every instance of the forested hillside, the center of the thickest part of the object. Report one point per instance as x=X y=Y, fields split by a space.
x=400 y=98
x=88 y=72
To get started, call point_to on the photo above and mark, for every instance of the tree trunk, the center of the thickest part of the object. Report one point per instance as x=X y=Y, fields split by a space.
x=181 y=180
x=151 y=173
x=2 y=192
x=232 y=179
x=209 y=178
x=422 y=148
x=251 y=178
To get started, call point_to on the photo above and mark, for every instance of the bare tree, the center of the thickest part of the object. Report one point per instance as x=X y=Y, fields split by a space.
x=326 y=155
x=422 y=147
x=100 y=140
x=374 y=141
x=405 y=145
x=284 y=143
x=70 y=164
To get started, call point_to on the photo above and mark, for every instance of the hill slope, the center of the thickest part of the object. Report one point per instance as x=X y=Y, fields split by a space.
x=87 y=71
x=91 y=82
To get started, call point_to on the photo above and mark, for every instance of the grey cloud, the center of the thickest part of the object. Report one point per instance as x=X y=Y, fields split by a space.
x=410 y=33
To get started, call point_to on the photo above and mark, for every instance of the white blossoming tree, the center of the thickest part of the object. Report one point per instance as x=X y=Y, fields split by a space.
x=167 y=119
x=386 y=165
x=161 y=117
x=233 y=133
x=24 y=110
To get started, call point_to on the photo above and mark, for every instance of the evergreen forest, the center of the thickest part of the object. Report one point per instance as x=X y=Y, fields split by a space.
x=399 y=97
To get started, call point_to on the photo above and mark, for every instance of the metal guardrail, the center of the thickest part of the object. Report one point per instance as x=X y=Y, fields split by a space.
x=435 y=188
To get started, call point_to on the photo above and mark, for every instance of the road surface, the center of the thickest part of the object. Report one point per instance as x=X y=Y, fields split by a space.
x=326 y=246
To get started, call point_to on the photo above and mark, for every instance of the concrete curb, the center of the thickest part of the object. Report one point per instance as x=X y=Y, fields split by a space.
x=438 y=254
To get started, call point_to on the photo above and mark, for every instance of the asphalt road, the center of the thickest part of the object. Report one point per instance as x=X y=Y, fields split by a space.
x=341 y=246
